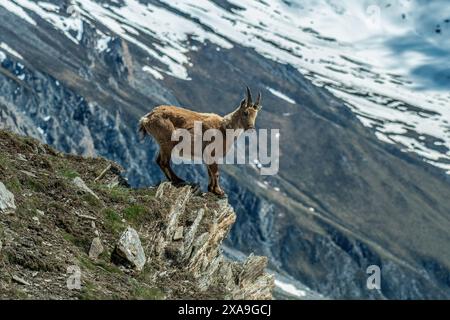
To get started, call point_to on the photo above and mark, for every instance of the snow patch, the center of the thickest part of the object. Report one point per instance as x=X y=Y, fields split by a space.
x=102 y=42
x=48 y=6
x=156 y=74
x=281 y=95
x=68 y=25
x=135 y=19
x=10 y=50
x=290 y=288
x=17 y=10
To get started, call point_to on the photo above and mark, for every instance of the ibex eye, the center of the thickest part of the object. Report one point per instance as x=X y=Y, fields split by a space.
x=246 y=113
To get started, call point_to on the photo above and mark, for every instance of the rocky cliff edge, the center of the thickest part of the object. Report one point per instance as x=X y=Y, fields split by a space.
x=71 y=228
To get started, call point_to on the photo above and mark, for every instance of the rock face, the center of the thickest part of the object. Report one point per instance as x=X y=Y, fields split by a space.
x=130 y=248
x=192 y=239
x=6 y=199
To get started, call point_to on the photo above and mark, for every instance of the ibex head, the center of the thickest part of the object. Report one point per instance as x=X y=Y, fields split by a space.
x=249 y=110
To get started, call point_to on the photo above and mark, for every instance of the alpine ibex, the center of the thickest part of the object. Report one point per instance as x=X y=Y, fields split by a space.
x=163 y=120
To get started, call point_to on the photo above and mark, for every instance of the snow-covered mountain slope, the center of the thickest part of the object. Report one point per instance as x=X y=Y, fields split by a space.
x=387 y=59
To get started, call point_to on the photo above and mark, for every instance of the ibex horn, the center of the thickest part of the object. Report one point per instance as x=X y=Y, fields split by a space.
x=258 y=99
x=249 y=97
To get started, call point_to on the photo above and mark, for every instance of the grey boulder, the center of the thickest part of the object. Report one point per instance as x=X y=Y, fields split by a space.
x=130 y=248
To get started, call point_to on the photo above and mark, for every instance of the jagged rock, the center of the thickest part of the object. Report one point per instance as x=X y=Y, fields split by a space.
x=162 y=188
x=80 y=184
x=177 y=209
x=253 y=278
x=178 y=234
x=96 y=248
x=21 y=157
x=29 y=174
x=20 y=280
x=192 y=231
x=7 y=203
x=202 y=231
x=129 y=247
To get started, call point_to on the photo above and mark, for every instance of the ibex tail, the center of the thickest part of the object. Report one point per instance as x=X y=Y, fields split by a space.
x=142 y=131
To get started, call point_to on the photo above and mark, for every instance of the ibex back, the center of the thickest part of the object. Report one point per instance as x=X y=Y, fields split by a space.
x=163 y=120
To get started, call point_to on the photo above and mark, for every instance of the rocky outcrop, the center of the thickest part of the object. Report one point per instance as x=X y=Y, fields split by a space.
x=192 y=238
x=151 y=243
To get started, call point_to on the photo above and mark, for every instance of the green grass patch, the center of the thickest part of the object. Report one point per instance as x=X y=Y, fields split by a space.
x=68 y=237
x=116 y=194
x=89 y=292
x=102 y=263
x=143 y=292
x=113 y=221
x=135 y=213
x=34 y=185
x=5 y=162
x=13 y=184
x=18 y=294
x=109 y=267
x=80 y=242
x=28 y=206
x=91 y=200
x=56 y=207
x=147 y=193
x=69 y=173
x=86 y=263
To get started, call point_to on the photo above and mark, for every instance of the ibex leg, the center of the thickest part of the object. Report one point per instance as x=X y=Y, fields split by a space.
x=213 y=186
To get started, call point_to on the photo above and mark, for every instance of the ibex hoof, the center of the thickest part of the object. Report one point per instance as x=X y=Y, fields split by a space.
x=220 y=194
